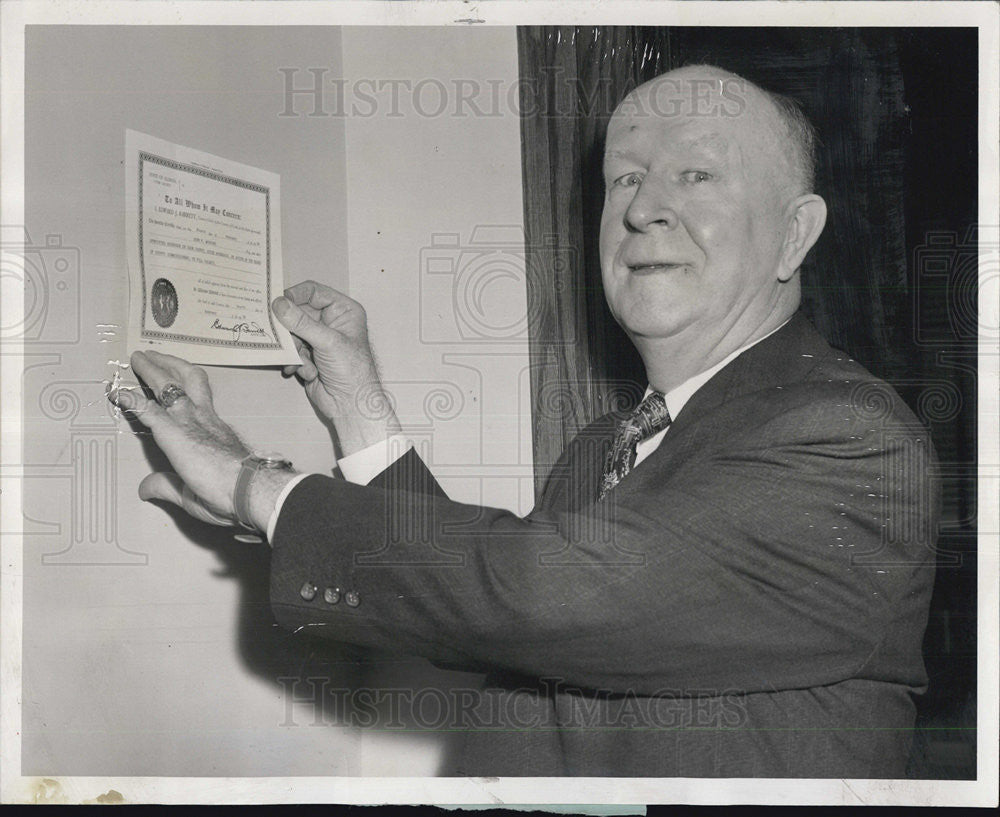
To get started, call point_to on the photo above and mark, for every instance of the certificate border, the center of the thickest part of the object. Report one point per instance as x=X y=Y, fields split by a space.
x=145 y=333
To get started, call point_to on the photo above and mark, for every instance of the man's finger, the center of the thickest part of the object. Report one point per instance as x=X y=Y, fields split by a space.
x=307 y=371
x=185 y=374
x=296 y=321
x=131 y=398
x=158 y=370
x=312 y=312
x=151 y=372
x=314 y=294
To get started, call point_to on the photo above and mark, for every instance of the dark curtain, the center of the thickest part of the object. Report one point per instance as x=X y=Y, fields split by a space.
x=892 y=281
x=571 y=81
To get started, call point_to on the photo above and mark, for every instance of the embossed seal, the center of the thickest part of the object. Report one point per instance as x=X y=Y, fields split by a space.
x=163 y=301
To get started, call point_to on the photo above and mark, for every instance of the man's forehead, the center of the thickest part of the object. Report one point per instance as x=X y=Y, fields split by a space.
x=629 y=137
x=690 y=132
x=702 y=110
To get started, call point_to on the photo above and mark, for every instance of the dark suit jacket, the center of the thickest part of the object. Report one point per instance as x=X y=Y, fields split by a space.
x=749 y=601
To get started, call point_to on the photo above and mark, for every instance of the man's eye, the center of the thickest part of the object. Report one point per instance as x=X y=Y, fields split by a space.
x=696 y=176
x=628 y=180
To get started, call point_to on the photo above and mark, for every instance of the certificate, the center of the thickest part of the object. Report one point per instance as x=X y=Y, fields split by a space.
x=204 y=256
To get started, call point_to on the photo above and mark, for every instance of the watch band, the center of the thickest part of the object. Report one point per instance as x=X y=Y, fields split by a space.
x=249 y=468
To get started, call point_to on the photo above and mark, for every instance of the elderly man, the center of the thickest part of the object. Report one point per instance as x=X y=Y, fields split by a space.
x=730 y=580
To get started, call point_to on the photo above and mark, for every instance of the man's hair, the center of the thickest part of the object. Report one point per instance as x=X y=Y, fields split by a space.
x=800 y=136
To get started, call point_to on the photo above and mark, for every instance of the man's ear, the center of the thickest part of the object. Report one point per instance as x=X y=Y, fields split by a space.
x=806 y=221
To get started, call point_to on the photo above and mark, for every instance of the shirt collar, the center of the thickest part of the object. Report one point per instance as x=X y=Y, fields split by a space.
x=679 y=395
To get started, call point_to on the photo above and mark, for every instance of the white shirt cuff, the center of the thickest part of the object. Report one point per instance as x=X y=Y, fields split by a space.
x=361 y=467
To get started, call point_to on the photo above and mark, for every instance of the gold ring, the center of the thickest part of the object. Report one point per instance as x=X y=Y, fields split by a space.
x=170 y=394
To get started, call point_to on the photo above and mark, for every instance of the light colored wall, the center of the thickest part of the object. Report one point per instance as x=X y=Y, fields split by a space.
x=148 y=645
x=430 y=192
x=161 y=662
x=433 y=186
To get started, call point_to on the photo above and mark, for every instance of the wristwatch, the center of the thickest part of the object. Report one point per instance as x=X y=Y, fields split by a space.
x=249 y=469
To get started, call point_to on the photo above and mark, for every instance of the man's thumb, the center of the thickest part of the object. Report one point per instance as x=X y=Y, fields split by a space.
x=170 y=487
x=161 y=485
x=299 y=323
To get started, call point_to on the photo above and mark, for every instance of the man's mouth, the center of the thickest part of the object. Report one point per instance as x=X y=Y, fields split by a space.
x=653 y=267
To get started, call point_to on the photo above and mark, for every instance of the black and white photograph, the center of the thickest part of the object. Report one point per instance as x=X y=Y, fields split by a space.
x=604 y=412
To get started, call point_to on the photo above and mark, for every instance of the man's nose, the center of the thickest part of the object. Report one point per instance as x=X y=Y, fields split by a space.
x=651 y=206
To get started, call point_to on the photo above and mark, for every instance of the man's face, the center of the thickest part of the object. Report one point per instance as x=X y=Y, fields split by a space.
x=693 y=221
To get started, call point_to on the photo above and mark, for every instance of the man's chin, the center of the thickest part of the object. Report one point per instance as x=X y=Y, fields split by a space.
x=646 y=328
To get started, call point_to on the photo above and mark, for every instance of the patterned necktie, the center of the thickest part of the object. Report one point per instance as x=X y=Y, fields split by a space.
x=649 y=417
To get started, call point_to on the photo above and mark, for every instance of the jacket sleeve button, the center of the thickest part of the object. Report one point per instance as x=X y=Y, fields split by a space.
x=308 y=591
x=353 y=598
x=331 y=595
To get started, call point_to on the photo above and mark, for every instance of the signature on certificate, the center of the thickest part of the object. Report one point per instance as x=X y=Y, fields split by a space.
x=240 y=329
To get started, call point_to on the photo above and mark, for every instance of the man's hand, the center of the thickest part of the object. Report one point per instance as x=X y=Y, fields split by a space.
x=205 y=452
x=341 y=380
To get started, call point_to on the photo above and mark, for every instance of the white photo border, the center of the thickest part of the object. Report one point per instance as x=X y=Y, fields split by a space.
x=14 y=788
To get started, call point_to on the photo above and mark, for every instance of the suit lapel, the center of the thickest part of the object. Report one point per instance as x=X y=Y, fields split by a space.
x=785 y=356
